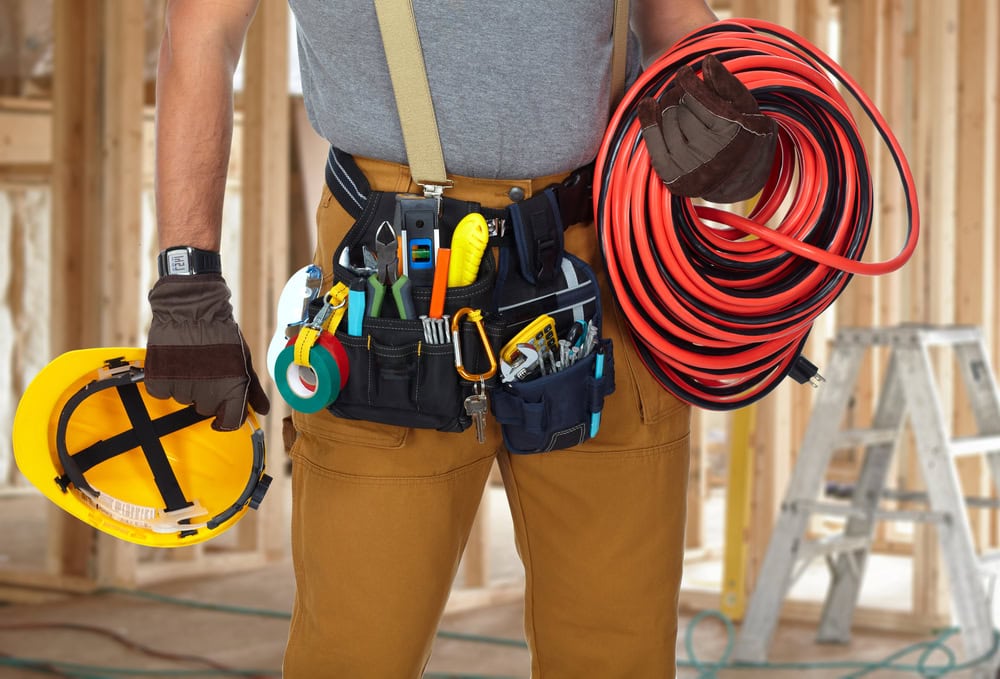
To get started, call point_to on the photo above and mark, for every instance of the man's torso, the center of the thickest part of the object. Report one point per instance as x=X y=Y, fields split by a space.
x=520 y=87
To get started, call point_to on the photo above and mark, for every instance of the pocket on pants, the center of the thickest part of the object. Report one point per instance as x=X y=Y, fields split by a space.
x=323 y=425
x=654 y=402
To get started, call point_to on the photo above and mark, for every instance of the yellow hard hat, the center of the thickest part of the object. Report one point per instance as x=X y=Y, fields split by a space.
x=146 y=470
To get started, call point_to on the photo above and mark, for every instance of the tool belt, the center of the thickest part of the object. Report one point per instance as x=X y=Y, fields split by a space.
x=544 y=216
x=404 y=370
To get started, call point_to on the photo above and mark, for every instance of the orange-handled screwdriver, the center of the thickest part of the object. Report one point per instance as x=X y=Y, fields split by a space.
x=440 y=287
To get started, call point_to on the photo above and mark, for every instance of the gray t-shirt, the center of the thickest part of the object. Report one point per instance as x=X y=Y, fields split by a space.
x=520 y=87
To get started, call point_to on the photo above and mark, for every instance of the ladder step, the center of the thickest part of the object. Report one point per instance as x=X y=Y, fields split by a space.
x=949 y=336
x=829 y=508
x=835 y=544
x=974 y=445
x=838 y=509
x=989 y=558
x=850 y=438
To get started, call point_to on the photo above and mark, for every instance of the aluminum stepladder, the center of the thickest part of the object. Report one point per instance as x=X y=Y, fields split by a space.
x=909 y=388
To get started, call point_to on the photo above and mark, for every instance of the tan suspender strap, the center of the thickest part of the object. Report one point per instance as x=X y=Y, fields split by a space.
x=619 y=33
x=413 y=93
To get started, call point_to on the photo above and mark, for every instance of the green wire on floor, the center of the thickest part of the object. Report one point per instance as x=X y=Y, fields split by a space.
x=79 y=671
x=923 y=666
x=191 y=603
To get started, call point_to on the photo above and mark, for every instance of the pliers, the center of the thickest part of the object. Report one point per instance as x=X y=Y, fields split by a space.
x=387 y=276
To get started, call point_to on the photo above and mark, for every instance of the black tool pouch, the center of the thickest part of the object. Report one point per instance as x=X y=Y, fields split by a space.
x=397 y=377
x=560 y=409
x=555 y=411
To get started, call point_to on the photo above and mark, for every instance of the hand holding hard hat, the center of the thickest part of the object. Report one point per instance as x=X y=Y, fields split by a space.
x=151 y=471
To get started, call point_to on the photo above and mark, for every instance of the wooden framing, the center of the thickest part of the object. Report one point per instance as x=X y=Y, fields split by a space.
x=932 y=68
x=934 y=160
x=76 y=219
x=266 y=139
x=264 y=265
x=121 y=148
x=89 y=143
x=26 y=127
x=949 y=125
x=94 y=160
x=975 y=183
x=858 y=304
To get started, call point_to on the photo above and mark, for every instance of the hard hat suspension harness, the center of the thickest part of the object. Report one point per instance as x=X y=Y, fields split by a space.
x=145 y=435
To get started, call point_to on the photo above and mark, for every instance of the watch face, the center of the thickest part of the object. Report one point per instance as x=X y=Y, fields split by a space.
x=178 y=262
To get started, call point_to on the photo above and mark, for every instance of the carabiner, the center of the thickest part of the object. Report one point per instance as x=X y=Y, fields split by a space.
x=327 y=319
x=476 y=317
x=329 y=316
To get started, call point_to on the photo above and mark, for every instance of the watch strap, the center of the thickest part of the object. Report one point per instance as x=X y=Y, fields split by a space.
x=188 y=261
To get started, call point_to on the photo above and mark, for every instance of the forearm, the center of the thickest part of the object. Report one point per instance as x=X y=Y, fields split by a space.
x=661 y=23
x=194 y=125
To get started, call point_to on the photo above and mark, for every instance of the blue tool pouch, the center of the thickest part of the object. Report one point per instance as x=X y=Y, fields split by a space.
x=560 y=409
x=555 y=411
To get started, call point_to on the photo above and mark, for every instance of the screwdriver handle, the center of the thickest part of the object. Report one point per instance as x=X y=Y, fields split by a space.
x=356 y=307
x=438 y=292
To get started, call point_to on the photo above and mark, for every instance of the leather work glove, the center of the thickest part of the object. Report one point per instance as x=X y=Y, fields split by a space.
x=196 y=352
x=708 y=138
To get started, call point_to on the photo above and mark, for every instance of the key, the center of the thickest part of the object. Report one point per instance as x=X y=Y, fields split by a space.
x=475 y=407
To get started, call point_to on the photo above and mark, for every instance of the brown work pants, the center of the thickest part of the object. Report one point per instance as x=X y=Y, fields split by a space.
x=381 y=515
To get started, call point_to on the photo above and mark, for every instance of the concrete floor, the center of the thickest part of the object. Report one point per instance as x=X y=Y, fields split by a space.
x=256 y=642
x=239 y=641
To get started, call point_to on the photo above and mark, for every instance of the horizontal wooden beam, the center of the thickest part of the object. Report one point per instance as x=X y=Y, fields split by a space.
x=26 y=144
x=25 y=133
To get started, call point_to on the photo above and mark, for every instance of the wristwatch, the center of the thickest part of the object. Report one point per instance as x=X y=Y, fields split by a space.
x=188 y=261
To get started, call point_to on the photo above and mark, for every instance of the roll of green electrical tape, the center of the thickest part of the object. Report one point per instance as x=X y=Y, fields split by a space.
x=322 y=378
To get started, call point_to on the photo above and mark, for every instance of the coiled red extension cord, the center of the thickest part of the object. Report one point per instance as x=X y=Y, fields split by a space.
x=718 y=304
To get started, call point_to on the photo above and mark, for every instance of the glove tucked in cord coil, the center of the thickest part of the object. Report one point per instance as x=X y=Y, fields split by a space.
x=720 y=305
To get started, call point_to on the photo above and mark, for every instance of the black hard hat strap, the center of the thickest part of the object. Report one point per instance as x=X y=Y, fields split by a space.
x=72 y=472
x=152 y=448
x=104 y=450
x=256 y=487
x=145 y=433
